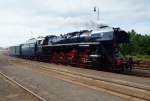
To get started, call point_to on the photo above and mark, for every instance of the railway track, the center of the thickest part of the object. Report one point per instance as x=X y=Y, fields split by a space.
x=128 y=90
x=21 y=86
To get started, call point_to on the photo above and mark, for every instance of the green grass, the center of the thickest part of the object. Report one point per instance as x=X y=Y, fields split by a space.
x=140 y=57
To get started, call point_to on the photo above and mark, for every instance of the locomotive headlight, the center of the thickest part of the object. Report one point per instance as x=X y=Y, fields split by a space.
x=95 y=56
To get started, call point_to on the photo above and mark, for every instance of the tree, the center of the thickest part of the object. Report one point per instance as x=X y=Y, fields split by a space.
x=139 y=44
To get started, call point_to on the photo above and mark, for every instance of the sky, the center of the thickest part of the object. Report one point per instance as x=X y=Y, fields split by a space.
x=21 y=20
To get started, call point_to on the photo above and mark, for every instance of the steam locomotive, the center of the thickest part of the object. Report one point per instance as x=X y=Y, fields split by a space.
x=96 y=49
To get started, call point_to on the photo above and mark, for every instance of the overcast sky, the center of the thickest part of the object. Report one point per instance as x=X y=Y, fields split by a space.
x=23 y=19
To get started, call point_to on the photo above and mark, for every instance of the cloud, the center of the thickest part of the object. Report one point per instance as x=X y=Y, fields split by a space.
x=18 y=18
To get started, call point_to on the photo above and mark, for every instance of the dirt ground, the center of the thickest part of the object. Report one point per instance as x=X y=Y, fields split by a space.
x=53 y=89
x=46 y=86
x=12 y=92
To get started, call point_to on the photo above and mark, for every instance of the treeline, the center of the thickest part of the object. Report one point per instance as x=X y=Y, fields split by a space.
x=139 y=45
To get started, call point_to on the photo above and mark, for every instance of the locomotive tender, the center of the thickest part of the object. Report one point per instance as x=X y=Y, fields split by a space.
x=97 y=49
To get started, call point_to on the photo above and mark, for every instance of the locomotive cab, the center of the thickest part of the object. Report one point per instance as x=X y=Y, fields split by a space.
x=120 y=36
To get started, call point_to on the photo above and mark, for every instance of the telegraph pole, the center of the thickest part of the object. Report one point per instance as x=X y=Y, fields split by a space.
x=96 y=10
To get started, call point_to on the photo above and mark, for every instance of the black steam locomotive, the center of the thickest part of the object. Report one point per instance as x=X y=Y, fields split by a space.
x=96 y=49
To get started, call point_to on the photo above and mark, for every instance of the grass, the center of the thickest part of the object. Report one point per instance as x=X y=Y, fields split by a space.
x=140 y=57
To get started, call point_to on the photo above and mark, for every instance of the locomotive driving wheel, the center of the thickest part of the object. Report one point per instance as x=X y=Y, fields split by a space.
x=62 y=57
x=71 y=57
x=54 y=57
x=83 y=58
